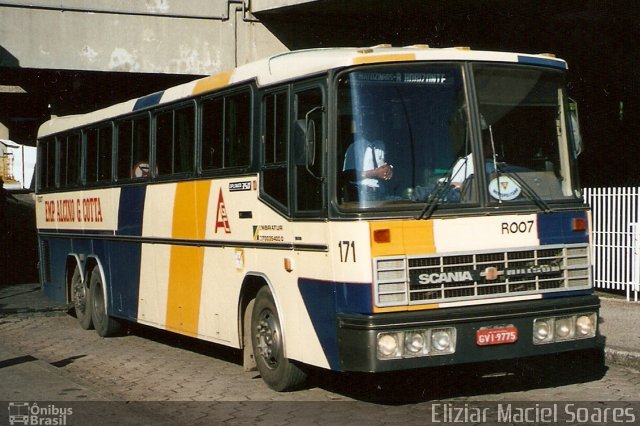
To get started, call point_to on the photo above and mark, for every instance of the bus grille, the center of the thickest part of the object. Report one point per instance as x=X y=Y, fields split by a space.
x=412 y=280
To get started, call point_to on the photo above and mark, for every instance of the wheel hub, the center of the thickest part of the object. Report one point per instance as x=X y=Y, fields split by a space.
x=80 y=296
x=268 y=338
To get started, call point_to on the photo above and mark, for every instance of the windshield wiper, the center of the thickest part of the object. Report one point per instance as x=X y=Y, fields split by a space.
x=529 y=192
x=526 y=189
x=433 y=199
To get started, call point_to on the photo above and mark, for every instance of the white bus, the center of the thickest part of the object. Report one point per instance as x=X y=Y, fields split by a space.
x=320 y=208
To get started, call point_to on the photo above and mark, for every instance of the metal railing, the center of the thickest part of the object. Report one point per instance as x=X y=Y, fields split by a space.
x=616 y=238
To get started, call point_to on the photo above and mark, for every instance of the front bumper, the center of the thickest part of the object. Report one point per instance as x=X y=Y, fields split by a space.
x=357 y=334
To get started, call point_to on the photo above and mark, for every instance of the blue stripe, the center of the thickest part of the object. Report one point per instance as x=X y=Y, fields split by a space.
x=55 y=289
x=123 y=275
x=567 y=294
x=148 y=101
x=120 y=264
x=545 y=62
x=324 y=300
x=556 y=228
x=130 y=210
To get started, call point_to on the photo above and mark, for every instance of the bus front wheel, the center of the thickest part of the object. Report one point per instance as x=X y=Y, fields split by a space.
x=81 y=299
x=278 y=372
x=105 y=325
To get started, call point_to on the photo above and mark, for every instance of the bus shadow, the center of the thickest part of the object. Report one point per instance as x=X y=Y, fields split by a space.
x=413 y=386
x=439 y=383
x=180 y=341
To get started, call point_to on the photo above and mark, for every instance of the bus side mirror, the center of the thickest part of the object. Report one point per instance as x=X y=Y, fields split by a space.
x=575 y=127
x=305 y=141
x=310 y=143
x=299 y=142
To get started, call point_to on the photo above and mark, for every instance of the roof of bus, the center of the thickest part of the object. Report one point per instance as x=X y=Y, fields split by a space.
x=294 y=64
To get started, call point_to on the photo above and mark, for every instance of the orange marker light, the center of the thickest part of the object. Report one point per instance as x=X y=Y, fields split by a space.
x=288 y=264
x=382 y=236
x=579 y=224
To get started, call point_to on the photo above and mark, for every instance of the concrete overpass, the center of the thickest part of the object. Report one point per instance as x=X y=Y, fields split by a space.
x=73 y=56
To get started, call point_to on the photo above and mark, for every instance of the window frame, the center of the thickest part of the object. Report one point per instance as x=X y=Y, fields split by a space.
x=201 y=170
x=297 y=89
x=131 y=119
x=99 y=128
x=153 y=161
x=63 y=140
x=283 y=207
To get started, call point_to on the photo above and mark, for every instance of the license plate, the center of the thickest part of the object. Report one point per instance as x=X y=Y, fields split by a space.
x=496 y=335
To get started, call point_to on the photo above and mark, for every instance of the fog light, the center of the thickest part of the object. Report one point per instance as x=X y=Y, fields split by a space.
x=585 y=325
x=387 y=345
x=414 y=342
x=542 y=330
x=440 y=340
x=564 y=328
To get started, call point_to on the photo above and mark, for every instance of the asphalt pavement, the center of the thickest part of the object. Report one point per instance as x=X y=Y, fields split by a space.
x=619 y=324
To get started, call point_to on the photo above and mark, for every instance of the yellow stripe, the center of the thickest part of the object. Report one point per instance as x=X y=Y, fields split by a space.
x=185 y=268
x=371 y=59
x=405 y=308
x=210 y=83
x=407 y=237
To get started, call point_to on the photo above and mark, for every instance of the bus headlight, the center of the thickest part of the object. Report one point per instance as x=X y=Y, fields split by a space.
x=441 y=340
x=388 y=345
x=564 y=328
x=416 y=343
x=558 y=329
x=543 y=330
x=586 y=325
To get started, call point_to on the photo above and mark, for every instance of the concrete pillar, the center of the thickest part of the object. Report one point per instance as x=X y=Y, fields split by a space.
x=4 y=131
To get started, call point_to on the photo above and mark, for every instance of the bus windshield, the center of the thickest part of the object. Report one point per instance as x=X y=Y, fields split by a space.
x=408 y=136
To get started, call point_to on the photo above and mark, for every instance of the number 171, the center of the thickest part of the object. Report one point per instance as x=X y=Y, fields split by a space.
x=347 y=251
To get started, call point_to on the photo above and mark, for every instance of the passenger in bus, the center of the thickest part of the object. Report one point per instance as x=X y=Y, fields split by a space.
x=140 y=169
x=365 y=164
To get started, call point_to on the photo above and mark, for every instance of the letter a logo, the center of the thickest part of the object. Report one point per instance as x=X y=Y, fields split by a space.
x=222 y=221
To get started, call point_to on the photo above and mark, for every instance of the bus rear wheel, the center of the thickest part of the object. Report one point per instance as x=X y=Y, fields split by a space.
x=105 y=325
x=278 y=372
x=81 y=299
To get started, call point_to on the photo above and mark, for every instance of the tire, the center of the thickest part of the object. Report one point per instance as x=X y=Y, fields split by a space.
x=105 y=325
x=81 y=297
x=278 y=372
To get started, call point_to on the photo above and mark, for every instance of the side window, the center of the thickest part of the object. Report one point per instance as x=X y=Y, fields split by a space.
x=275 y=143
x=91 y=168
x=124 y=149
x=212 y=127
x=226 y=131
x=237 y=130
x=308 y=167
x=63 y=160
x=47 y=163
x=174 y=141
x=164 y=142
x=105 y=142
x=133 y=149
x=69 y=160
x=275 y=137
x=98 y=166
x=183 y=140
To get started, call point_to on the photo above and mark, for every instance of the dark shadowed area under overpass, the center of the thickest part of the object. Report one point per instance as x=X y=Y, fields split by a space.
x=597 y=38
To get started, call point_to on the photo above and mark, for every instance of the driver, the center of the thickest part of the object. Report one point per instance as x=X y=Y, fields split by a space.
x=366 y=158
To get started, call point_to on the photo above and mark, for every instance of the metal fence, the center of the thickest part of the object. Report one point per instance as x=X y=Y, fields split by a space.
x=616 y=238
